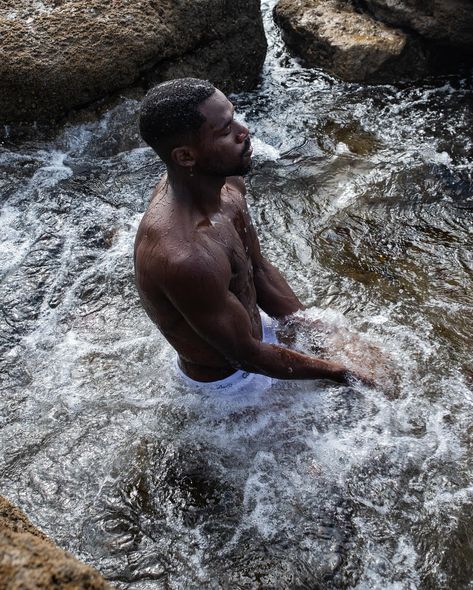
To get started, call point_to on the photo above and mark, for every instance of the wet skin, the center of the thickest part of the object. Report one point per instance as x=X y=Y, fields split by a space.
x=199 y=269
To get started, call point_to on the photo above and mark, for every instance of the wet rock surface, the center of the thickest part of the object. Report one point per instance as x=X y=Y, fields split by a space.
x=447 y=22
x=56 y=56
x=378 y=40
x=28 y=559
x=353 y=46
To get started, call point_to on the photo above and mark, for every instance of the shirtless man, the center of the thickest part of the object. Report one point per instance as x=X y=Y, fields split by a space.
x=199 y=269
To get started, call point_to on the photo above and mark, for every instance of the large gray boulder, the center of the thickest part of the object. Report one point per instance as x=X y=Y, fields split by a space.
x=56 y=55
x=30 y=561
x=448 y=22
x=355 y=47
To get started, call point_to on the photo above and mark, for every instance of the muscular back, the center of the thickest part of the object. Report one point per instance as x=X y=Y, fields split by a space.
x=179 y=250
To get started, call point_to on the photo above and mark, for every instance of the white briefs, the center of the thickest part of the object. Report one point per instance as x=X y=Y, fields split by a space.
x=240 y=381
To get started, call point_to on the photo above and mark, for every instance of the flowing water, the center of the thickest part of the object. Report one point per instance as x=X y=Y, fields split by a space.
x=362 y=196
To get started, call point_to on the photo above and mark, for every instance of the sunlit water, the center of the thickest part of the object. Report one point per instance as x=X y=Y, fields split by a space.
x=362 y=196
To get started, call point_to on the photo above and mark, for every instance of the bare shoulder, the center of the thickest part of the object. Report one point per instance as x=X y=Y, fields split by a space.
x=180 y=261
x=150 y=221
x=194 y=279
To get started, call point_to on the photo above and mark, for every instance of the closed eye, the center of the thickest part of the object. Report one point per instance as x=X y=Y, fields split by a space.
x=227 y=126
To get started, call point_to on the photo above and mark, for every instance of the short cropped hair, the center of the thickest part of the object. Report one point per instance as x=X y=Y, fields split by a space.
x=169 y=115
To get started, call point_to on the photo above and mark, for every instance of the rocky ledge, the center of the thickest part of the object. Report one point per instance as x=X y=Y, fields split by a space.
x=446 y=22
x=377 y=40
x=57 y=55
x=29 y=560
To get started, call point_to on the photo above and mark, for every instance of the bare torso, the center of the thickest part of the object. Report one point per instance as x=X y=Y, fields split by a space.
x=171 y=231
x=199 y=268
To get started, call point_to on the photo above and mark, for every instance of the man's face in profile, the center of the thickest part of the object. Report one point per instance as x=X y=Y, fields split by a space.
x=224 y=146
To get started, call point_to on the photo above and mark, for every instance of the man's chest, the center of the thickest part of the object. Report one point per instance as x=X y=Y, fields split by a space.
x=230 y=233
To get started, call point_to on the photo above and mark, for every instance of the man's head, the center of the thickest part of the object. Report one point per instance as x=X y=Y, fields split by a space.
x=169 y=115
x=190 y=125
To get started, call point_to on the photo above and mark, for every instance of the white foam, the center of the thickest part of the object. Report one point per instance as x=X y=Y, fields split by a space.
x=342 y=148
x=265 y=150
x=14 y=244
x=52 y=172
x=430 y=155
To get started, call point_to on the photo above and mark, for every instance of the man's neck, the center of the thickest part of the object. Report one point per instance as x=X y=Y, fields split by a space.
x=199 y=190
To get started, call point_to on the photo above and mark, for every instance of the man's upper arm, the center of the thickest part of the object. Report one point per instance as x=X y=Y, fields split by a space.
x=274 y=294
x=198 y=286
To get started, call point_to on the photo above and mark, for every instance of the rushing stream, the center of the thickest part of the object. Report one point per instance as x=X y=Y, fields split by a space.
x=363 y=197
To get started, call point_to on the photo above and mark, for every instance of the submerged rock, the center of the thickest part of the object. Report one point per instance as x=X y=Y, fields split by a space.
x=353 y=46
x=28 y=559
x=57 y=55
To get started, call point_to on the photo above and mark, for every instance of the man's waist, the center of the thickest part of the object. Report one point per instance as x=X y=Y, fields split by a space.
x=204 y=373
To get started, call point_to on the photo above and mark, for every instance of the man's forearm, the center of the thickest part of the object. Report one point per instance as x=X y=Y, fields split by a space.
x=282 y=363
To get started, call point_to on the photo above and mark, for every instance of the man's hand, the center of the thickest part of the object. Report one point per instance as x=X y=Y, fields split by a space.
x=366 y=362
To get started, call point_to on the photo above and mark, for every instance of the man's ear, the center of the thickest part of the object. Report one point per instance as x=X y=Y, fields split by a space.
x=184 y=156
